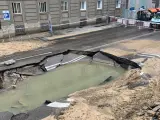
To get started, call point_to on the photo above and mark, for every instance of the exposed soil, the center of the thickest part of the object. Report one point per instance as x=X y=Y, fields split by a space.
x=130 y=97
x=134 y=46
x=49 y=118
x=122 y=99
x=8 y=48
x=11 y=78
x=152 y=66
x=118 y=52
x=143 y=46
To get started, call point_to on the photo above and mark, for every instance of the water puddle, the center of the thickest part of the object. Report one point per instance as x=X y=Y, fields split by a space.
x=56 y=84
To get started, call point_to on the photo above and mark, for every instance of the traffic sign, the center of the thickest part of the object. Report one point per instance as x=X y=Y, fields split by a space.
x=6 y=15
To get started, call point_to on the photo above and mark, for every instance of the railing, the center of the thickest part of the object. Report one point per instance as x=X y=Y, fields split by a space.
x=106 y=19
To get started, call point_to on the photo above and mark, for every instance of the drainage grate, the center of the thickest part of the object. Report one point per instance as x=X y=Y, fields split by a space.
x=44 y=27
x=20 y=30
x=83 y=22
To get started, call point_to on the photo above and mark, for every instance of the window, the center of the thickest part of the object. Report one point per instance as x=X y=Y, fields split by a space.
x=157 y=16
x=16 y=8
x=0 y=25
x=99 y=4
x=42 y=7
x=118 y=3
x=64 y=6
x=83 y=5
x=127 y=1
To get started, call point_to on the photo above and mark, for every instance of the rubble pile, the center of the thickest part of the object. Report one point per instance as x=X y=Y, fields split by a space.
x=11 y=78
x=152 y=112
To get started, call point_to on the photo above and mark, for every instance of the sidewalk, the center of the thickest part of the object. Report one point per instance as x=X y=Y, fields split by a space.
x=78 y=31
x=45 y=36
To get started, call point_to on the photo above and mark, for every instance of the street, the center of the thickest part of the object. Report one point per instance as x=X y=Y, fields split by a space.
x=108 y=40
x=80 y=59
x=89 y=41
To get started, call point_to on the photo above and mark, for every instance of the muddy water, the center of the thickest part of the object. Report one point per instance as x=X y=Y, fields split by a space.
x=56 y=84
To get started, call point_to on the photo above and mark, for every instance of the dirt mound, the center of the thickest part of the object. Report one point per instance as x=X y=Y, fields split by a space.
x=130 y=97
x=82 y=111
x=115 y=100
x=20 y=46
x=117 y=52
x=134 y=46
x=142 y=46
x=101 y=102
x=152 y=66
x=49 y=118
x=142 y=97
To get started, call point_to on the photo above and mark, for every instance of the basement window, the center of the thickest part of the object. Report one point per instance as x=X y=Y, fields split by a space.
x=64 y=6
x=16 y=8
x=42 y=7
x=99 y=4
x=83 y=5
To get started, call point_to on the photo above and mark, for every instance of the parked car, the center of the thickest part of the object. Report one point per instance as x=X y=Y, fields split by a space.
x=155 y=21
x=144 y=15
x=147 y=15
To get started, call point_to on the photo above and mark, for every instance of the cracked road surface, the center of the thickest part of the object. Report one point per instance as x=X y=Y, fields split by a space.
x=89 y=41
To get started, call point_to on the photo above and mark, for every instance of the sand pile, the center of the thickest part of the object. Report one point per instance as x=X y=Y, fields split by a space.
x=122 y=99
x=152 y=66
x=142 y=46
x=20 y=46
x=139 y=99
x=82 y=111
x=132 y=47
x=118 y=52
x=100 y=103
x=117 y=101
x=49 y=118
x=125 y=98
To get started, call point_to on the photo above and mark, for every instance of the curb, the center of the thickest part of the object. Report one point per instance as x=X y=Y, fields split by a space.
x=85 y=32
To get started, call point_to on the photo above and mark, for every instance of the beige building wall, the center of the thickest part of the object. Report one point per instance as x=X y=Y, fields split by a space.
x=32 y=20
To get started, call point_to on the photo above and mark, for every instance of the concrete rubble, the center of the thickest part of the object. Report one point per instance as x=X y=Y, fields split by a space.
x=152 y=111
x=13 y=76
x=10 y=78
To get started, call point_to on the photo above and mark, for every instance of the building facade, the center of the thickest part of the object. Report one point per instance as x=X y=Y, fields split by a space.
x=131 y=7
x=156 y=3
x=33 y=15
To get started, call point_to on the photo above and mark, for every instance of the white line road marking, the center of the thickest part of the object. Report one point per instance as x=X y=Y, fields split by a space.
x=33 y=56
x=81 y=57
x=51 y=67
x=93 y=48
x=105 y=45
x=52 y=47
x=73 y=60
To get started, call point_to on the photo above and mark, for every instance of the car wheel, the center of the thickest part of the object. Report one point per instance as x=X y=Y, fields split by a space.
x=151 y=26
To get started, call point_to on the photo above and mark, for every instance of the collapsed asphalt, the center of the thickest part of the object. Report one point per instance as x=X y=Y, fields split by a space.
x=44 y=111
x=79 y=42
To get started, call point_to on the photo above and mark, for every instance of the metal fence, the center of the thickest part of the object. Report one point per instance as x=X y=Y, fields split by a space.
x=103 y=19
